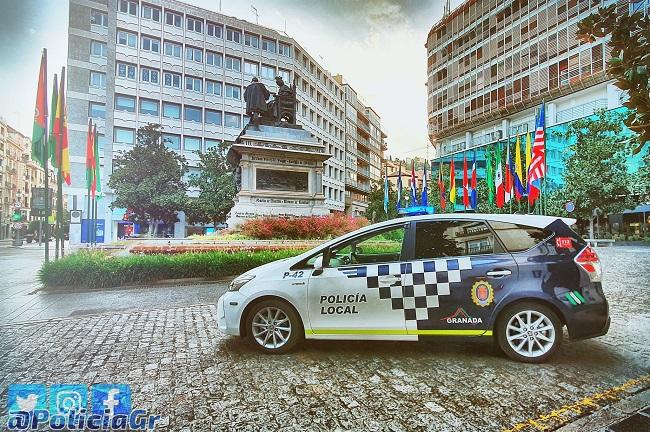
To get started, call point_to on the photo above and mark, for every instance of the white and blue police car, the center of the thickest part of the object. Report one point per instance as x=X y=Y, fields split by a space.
x=517 y=278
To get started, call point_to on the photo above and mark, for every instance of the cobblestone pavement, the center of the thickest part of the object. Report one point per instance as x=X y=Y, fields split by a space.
x=180 y=367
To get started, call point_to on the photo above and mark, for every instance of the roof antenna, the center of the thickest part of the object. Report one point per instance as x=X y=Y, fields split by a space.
x=447 y=9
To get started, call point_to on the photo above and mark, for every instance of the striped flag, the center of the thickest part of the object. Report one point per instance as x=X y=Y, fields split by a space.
x=498 y=179
x=399 y=187
x=473 y=195
x=465 y=183
x=414 y=186
x=508 y=185
x=452 y=183
x=39 y=148
x=527 y=159
x=441 y=187
x=518 y=176
x=424 y=198
x=386 y=190
x=537 y=169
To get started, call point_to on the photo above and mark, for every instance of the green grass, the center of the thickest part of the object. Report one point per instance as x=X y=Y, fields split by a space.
x=98 y=270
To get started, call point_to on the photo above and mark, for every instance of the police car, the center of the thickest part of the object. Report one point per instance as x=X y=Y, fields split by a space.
x=517 y=278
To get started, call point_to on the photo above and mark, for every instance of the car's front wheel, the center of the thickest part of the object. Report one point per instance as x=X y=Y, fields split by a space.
x=529 y=332
x=274 y=327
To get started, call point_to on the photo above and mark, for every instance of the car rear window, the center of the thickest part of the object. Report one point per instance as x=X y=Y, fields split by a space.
x=517 y=238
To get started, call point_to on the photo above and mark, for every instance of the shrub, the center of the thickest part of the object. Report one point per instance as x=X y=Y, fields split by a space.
x=91 y=269
x=308 y=227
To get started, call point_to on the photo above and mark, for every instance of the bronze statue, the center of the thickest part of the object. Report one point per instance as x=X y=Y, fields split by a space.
x=282 y=109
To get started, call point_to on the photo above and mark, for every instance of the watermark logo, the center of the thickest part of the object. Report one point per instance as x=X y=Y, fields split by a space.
x=69 y=408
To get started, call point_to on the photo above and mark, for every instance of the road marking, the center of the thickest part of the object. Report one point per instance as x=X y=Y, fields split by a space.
x=584 y=406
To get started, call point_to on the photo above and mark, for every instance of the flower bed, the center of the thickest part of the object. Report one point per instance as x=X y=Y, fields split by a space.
x=308 y=227
x=202 y=248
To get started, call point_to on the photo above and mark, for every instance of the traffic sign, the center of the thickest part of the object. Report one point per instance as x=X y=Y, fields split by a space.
x=569 y=206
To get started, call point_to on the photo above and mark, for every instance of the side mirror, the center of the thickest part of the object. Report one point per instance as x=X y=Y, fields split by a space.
x=318 y=266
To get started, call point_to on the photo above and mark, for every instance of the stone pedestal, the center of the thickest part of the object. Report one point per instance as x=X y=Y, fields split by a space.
x=279 y=173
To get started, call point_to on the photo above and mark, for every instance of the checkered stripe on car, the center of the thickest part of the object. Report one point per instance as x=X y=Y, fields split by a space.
x=413 y=287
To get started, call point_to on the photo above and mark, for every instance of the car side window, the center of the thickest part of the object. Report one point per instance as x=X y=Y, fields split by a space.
x=452 y=238
x=517 y=238
x=377 y=247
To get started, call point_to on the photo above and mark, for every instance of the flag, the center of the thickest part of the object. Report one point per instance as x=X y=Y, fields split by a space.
x=452 y=183
x=465 y=183
x=508 y=174
x=518 y=177
x=39 y=148
x=424 y=199
x=441 y=187
x=489 y=175
x=399 y=187
x=498 y=179
x=473 y=192
x=537 y=169
x=414 y=192
x=386 y=190
x=98 y=182
x=52 y=138
x=61 y=132
x=527 y=158
x=90 y=160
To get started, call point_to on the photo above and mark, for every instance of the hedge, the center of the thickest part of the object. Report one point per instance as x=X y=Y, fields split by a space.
x=92 y=269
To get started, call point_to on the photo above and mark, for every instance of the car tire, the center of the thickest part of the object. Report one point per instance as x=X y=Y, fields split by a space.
x=529 y=332
x=274 y=327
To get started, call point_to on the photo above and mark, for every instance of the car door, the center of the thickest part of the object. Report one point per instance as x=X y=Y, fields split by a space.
x=356 y=294
x=463 y=271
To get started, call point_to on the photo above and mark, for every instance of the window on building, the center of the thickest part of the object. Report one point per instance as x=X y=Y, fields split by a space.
x=213 y=117
x=193 y=84
x=149 y=106
x=193 y=114
x=441 y=239
x=251 y=68
x=172 y=79
x=213 y=87
x=128 y=7
x=284 y=49
x=150 y=44
x=149 y=75
x=194 y=25
x=97 y=80
x=98 y=18
x=123 y=135
x=150 y=13
x=127 y=38
x=268 y=45
x=97 y=49
x=125 y=70
x=233 y=35
x=233 y=63
x=96 y=110
x=194 y=54
x=268 y=72
x=251 y=40
x=172 y=141
x=233 y=92
x=209 y=143
x=173 y=19
x=286 y=76
x=215 y=30
x=213 y=59
x=172 y=110
x=172 y=49
x=191 y=144
x=125 y=103
x=232 y=120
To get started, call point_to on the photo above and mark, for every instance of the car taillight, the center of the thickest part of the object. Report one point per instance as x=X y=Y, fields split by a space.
x=588 y=260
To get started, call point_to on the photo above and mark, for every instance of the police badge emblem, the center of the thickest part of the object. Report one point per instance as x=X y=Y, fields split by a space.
x=482 y=293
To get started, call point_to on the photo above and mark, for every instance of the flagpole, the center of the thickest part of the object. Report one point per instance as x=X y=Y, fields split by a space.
x=47 y=177
x=59 y=179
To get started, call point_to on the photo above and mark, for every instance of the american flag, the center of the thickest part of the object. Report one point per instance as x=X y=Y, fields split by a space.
x=537 y=169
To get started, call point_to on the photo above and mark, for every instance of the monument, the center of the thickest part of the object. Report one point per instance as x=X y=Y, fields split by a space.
x=279 y=164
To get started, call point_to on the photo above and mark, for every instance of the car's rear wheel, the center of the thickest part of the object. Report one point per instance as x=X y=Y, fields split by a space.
x=529 y=332
x=273 y=327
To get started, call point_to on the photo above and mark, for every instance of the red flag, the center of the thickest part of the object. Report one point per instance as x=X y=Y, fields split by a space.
x=39 y=147
x=90 y=160
x=498 y=179
x=465 y=183
x=61 y=133
x=441 y=187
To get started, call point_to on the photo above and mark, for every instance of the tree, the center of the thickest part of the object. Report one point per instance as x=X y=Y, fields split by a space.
x=148 y=179
x=216 y=184
x=375 y=211
x=629 y=64
x=596 y=176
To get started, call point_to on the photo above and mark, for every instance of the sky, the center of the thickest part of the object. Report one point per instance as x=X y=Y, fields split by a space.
x=377 y=45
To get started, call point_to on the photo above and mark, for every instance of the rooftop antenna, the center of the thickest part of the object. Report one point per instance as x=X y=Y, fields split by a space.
x=257 y=20
x=447 y=9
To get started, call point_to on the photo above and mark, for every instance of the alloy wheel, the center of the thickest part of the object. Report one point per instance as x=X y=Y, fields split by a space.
x=530 y=333
x=271 y=327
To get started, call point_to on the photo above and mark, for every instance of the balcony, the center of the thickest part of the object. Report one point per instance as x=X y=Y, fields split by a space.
x=357 y=186
x=363 y=156
x=365 y=172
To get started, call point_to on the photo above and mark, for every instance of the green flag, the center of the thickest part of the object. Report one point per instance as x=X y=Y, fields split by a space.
x=40 y=114
x=489 y=175
x=52 y=138
x=98 y=182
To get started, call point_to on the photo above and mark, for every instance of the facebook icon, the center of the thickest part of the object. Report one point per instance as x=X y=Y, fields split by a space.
x=111 y=399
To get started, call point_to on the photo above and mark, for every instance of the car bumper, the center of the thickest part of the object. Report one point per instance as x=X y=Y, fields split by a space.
x=591 y=321
x=229 y=309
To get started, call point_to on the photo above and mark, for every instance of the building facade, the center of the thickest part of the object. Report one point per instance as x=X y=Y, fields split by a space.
x=364 y=149
x=19 y=173
x=491 y=64
x=131 y=63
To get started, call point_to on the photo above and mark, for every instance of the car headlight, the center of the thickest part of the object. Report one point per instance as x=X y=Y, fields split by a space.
x=240 y=281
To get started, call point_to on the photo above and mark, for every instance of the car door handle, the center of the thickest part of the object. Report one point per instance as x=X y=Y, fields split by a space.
x=498 y=273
